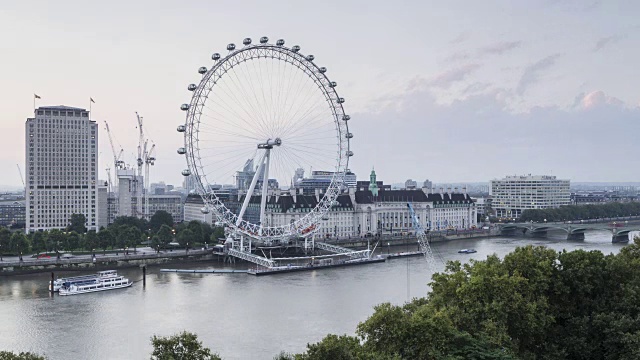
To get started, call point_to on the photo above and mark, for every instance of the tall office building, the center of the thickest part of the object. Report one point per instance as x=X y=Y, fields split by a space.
x=61 y=145
x=514 y=194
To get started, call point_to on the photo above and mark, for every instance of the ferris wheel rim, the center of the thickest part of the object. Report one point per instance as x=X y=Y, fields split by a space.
x=201 y=92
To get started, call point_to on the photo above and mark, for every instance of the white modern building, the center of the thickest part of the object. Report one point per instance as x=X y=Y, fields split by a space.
x=514 y=194
x=61 y=161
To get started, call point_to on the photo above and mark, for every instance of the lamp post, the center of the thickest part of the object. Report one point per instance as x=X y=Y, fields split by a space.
x=187 y=248
x=388 y=248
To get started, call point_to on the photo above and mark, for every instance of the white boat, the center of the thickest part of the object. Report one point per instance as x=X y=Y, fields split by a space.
x=467 y=251
x=57 y=284
x=106 y=280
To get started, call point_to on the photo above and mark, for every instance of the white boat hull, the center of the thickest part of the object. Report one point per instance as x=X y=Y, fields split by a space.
x=64 y=292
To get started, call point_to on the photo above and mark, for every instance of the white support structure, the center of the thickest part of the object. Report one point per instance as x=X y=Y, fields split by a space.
x=252 y=187
x=247 y=256
x=265 y=188
x=422 y=240
x=342 y=250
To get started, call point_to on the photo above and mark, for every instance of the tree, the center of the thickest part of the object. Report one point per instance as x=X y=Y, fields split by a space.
x=196 y=228
x=57 y=240
x=6 y=355
x=160 y=218
x=77 y=223
x=134 y=235
x=105 y=239
x=183 y=346
x=128 y=221
x=19 y=243
x=185 y=238
x=218 y=233
x=91 y=241
x=165 y=235
x=72 y=241
x=39 y=241
x=5 y=241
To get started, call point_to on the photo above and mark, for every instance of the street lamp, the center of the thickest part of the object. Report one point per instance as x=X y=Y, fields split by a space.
x=388 y=248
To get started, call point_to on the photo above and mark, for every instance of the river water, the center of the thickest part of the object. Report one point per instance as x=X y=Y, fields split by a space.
x=237 y=315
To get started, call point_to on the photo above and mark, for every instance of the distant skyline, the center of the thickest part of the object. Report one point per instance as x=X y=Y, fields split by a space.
x=458 y=91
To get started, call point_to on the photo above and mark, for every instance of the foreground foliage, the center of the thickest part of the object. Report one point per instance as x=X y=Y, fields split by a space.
x=7 y=355
x=535 y=303
x=183 y=346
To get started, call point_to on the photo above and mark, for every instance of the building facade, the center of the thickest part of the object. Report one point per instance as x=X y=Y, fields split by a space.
x=61 y=167
x=514 y=194
x=12 y=213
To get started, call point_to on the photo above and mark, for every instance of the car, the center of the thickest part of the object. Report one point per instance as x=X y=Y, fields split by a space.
x=44 y=256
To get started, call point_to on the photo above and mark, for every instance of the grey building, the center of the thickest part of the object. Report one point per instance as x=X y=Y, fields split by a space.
x=12 y=213
x=61 y=160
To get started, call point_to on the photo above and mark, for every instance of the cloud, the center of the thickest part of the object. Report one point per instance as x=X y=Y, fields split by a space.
x=475 y=88
x=457 y=56
x=607 y=41
x=532 y=72
x=447 y=78
x=500 y=48
x=460 y=38
x=598 y=98
x=478 y=138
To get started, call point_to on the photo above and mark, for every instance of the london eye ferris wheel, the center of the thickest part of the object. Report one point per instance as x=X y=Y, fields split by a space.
x=258 y=114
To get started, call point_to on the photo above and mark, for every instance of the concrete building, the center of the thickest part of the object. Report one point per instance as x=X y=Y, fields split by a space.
x=13 y=213
x=61 y=167
x=410 y=184
x=103 y=204
x=171 y=203
x=514 y=194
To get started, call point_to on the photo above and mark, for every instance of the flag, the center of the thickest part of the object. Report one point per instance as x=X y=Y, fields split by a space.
x=91 y=99
x=36 y=96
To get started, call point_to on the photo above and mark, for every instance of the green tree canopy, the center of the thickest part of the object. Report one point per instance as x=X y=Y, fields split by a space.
x=183 y=346
x=5 y=240
x=196 y=229
x=160 y=218
x=105 y=239
x=7 y=355
x=19 y=243
x=77 y=223
x=164 y=235
x=185 y=237
x=91 y=240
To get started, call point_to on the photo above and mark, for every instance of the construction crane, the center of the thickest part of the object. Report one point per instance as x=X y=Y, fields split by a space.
x=117 y=163
x=149 y=160
x=21 y=177
x=140 y=162
x=422 y=240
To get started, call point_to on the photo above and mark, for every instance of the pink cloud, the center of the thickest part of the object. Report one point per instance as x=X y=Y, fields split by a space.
x=598 y=98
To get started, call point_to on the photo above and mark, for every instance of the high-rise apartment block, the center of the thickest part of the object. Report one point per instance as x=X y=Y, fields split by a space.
x=61 y=161
x=514 y=194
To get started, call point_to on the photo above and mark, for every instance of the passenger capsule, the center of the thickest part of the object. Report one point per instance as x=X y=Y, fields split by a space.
x=215 y=56
x=182 y=128
x=349 y=136
x=264 y=40
x=346 y=117
x=349 y=153
x=202 y=70
x=186 y=172
x=280 y=42
x=184 y=107
x=310 y=57
x=295 y=48
x=192 y=87
x=231 y=47
x=204 y=210
x=323 y=70
x=246 y=41
x=182 y=151
x=333 y=84
x=340 y=100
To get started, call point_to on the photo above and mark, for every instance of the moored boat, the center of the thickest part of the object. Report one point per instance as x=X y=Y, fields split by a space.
x=57 y=284
x=106 y=280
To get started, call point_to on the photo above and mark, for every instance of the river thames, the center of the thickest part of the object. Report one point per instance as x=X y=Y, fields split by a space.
x=238 y=316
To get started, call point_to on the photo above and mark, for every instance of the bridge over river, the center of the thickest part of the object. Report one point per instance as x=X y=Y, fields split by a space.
x=575 y=231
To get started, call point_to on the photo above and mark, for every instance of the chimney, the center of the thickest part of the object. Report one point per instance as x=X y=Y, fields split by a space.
x=455 y=190
x=441 y=190
x=317 y=195
x=464 y=190
x=449 y=190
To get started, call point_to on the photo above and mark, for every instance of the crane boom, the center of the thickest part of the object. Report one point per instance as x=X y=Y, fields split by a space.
x=21 y=177
x=422 y=240
x=117 y=163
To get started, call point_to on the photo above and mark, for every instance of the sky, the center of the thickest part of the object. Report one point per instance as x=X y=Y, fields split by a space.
x=455 y=91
